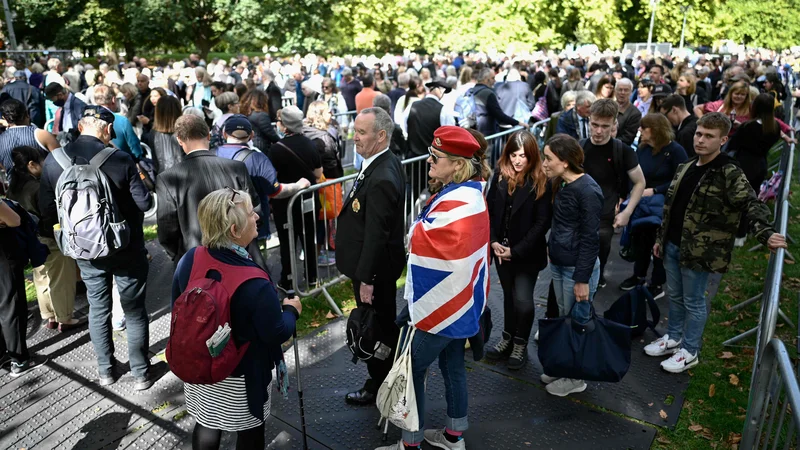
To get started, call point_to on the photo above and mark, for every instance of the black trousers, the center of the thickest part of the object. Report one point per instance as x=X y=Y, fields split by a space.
x=519 y=309
x=644 y=237
x=384 y=302
x=13 y=310
x=305 y=232
x=755 y=176
x=606 y=234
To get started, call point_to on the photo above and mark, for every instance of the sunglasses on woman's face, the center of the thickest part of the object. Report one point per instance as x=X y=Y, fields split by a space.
x=434 y=156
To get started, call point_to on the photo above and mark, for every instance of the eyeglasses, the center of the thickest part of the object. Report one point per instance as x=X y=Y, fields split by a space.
x=326 y=87
x=434 y=156
x=231 y=204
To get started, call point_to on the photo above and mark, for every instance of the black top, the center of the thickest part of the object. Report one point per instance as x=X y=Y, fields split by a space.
x=598 y=163
x=423 y=121
x=129 y=193
x=575 y=236
x=263 y=130
x=349 y=91
x=684 y=135
x=370 y=233
x=522 y=219
x=290 y=169
x=683 y=195
x=659 y=169
x=180 y=191
x=751 y=145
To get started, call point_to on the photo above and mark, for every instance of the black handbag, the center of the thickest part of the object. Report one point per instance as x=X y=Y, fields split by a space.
x=599 y=350
x=364 y=337
x=631 y=310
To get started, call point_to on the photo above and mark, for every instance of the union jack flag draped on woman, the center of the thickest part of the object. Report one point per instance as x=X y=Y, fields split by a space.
x=447 y=281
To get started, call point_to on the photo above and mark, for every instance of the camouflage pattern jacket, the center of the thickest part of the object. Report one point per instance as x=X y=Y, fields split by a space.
x=721 y=198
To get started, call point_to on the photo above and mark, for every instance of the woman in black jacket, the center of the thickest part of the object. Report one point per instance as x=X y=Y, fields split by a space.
x=520 y=214
x=574 y=244
x=255 y=105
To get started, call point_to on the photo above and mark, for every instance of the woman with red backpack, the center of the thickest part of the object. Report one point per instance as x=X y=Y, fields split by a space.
x=227 y=365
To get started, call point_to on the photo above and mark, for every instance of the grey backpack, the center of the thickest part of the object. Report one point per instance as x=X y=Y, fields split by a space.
x=89 y=223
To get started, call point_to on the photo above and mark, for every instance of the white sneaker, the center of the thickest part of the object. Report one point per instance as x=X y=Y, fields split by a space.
x=397 y=446
x=662 y=346
x=118 y=325
x=739 y=242
x=547 y=379
x=562 y=387
x=436 y=438
x=680 y=361
x=536 y=336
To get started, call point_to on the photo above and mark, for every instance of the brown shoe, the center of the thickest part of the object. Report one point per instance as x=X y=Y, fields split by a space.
x=51 y=325
x=72 y=324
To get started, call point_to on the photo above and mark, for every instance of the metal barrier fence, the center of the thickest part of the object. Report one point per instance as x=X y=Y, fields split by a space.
x=774 y=393
x=770 y=308
x=316 y=229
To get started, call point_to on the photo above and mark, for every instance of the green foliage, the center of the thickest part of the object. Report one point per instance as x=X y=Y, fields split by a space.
x=422 y=25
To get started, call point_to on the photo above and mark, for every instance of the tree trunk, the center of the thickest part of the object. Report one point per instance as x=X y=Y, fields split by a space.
x=130 y=50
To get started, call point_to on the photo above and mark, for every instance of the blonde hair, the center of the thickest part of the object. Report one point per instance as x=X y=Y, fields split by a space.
x=463 y=173
x=692 y=82
x=314 y=117
x=217 y=212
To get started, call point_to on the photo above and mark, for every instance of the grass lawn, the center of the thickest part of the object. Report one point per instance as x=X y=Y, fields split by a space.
x=716 y=400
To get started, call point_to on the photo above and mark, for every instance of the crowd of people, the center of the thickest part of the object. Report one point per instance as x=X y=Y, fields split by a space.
x=673 y=150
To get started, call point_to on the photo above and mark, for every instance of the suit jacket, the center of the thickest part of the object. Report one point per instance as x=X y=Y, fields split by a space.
x=370 y=230
x=180 y=190
x=527 y=225
x=508 y=94
x=568 y=124
x=76 y=111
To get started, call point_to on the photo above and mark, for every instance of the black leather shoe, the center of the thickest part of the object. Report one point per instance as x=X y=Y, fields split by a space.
x=360 y=397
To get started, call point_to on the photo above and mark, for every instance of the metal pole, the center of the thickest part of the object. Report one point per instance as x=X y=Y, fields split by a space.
x=654 y=7
x=300 y=389
x=685 y=10
x=12 y=38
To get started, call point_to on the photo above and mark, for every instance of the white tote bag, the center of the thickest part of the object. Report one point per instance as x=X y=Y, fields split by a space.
x=397 y=399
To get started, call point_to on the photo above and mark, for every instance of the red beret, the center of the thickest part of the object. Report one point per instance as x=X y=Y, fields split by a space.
x=455 y=141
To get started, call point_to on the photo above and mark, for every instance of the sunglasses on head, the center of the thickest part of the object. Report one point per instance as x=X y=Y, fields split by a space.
x=231 y=204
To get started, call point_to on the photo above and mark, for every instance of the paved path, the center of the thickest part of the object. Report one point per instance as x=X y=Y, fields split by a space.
x=60 y=406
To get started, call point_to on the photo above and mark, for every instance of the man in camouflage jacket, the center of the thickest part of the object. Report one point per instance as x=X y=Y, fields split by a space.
x=707 y=198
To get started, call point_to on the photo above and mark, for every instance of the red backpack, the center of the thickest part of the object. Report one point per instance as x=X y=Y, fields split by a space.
x=204 y=306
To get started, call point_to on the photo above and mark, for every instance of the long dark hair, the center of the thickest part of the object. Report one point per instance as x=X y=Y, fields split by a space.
x=566 y=148
x=413 y=84
x=523 y=140
x=168 y=109
x=21 y=156
x=763 y=108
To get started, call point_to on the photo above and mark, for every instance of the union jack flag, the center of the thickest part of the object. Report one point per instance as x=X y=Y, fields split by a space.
x=447 y=282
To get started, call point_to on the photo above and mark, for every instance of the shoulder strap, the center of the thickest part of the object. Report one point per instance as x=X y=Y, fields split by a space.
x=655 y=313
x=231 y=276
x=100 y=158
x=242 y=154
x=303 y=163
x=61 y=158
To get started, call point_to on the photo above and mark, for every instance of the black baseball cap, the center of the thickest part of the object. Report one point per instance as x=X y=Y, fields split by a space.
x=661 y=90
x=438 y=84
x=102 y=113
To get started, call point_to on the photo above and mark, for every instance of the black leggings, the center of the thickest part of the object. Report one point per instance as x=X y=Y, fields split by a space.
x=518 y=306
x=208 y=439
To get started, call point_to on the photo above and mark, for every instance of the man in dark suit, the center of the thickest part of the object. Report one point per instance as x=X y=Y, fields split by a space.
x=369 y=239
x=180 y=189
x=128 y=266
x=30 y=96
x=576 y=121
x=70 y=108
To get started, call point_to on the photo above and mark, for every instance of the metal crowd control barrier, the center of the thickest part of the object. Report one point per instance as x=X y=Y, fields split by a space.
x=347 y=151
x=538 y=130
x=770 y=308
x=318 y=252
x=497 y=142
x=774 y=393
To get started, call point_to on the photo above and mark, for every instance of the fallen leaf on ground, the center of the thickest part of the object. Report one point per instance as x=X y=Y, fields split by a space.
x=663 y=414
x=733 y=379
x=330 y=315
x=712 y=390
x=650 y=404
x=717 y=374
x=734 y=438
x=663 y=440
x=695 y=428
x=726 y=355
x=727 y=323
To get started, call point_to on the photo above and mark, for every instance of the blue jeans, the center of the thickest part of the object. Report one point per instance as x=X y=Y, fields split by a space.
x=425 y=349
x=129 y=269
x=564 y=287
x=686 y=289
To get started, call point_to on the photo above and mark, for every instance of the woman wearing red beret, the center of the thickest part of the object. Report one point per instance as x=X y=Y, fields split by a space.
x=447 y=280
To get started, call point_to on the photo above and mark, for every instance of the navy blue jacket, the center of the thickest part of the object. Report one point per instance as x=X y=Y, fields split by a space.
x=256 y=317
x=575 y=235
x=659 y=169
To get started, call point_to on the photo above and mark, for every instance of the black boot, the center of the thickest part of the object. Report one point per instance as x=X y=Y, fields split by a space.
x=502 y=349
x=519 y=354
